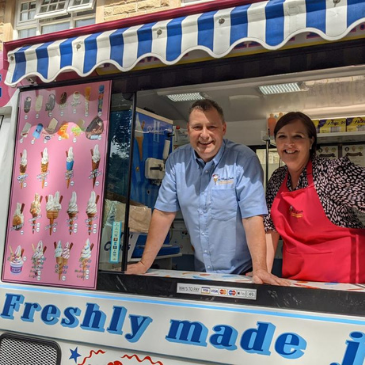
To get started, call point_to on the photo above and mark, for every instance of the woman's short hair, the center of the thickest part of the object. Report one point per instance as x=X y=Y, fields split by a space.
x=292 y=117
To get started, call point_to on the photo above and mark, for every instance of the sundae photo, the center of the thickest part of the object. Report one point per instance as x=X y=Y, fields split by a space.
x=16 y=260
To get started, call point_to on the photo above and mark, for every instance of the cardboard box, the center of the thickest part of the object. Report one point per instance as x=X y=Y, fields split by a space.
x=332 y=125
x=355 y=124
x=114 y=212
x=316 y=124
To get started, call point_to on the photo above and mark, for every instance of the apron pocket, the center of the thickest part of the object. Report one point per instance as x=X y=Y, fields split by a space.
x=308 y=266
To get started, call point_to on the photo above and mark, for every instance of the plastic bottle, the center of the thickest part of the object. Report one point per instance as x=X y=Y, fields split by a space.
x=271 y=121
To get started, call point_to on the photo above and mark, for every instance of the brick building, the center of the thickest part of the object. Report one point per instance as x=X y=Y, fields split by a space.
x=27 y=18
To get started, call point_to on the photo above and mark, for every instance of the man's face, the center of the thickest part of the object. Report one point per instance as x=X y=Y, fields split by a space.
x=206 y=130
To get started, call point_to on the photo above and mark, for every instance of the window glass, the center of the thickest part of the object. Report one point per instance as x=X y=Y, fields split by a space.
x=54 y=5
x=193 y=2
x=117 y=178
x=25 y=33
x=80 y=2
x=46 y=16
x=27 y=11
x=55 y=27
x=83 y=22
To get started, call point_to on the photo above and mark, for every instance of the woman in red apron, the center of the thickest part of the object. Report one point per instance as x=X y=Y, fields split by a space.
x=314 y=205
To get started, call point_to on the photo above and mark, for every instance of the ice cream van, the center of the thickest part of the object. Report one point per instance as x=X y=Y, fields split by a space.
x=88 y=118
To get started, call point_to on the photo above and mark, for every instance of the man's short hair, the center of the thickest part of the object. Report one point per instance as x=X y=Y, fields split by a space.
x=205 y=105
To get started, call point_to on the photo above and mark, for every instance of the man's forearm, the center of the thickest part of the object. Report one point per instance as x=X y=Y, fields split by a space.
x=255 y=235
x=159 y=227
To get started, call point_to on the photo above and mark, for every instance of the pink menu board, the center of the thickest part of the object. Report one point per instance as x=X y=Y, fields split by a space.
x=55 y=211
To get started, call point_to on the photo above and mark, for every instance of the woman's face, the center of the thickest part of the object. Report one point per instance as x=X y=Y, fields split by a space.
x=293 y=144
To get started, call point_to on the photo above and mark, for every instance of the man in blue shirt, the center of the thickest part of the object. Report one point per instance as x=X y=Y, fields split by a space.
x=217 y=185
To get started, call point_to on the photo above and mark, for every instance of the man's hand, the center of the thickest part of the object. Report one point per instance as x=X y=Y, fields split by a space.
x=136 y=269
x=264 y=277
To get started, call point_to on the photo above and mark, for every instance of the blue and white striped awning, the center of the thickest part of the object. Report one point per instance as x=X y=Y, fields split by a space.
x=270 y=23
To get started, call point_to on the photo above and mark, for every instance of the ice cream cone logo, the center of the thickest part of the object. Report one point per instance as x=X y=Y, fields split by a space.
x=38 y=259
x=72 y=212
x=215 y=178
x=44 y=167
x=69 y=166
x=95 y=161
x=53 y=206
x=139 y=136
x=91 y=211
x=35 y=211
x=18 y=217
x=85 y=259
x=23 y=168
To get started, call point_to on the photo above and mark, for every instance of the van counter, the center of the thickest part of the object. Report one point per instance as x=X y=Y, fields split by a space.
x=203 y=317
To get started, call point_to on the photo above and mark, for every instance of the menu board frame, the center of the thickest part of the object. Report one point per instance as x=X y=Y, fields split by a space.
x=57 y=192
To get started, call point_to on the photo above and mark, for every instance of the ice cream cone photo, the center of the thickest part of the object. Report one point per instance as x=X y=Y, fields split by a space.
x=58 y=257
x=18 y=217
x=53 y=206
x=85 y=258
x=23 y=168
x=95 y=161
x=44 y=166
x=35 y=210
x=38 y=258
x=69 y=166
x=72 y=211
x=65 y=257
x=91 y=210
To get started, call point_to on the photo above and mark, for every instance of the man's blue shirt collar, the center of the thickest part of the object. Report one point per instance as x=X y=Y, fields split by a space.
x=215 y=159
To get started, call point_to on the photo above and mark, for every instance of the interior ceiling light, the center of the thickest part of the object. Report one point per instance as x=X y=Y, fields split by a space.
x=185 y=97
x=281 y=88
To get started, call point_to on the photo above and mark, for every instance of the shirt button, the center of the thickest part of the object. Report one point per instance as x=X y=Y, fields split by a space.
x=208 y=267
x=205 y=251
x=206 y=171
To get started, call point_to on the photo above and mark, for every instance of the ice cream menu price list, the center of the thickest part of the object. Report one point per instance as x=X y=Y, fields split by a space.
x=55 y=208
